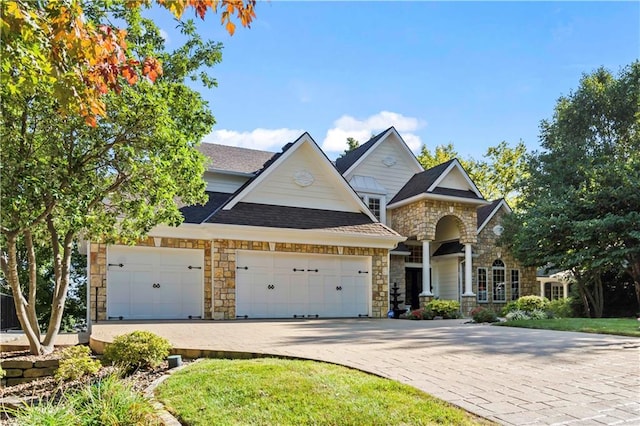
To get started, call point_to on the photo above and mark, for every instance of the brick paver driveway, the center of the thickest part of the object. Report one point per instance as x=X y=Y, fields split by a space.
x=512 y=376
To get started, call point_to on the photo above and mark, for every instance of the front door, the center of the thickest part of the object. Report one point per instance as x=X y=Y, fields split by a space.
x=413 y=280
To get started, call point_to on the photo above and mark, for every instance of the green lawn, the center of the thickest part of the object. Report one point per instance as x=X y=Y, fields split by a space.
x=272 y=391
x=619 y=326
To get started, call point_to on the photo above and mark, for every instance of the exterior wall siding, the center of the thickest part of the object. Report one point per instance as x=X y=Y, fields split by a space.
x=224 y=266
x=280 y=188
x=219 y=182
x=392 y=178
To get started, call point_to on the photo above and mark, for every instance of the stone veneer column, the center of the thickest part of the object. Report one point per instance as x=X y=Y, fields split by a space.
x=468 y=279
x=426 y=268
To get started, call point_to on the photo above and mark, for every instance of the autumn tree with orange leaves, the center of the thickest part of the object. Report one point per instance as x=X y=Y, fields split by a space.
x=52 y=41
x=98 y=133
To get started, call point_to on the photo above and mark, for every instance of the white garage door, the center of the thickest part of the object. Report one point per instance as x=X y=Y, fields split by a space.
x=279 y=285
x=154 y=283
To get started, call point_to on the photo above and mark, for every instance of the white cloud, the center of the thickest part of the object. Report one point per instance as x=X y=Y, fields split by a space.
x=165 y=36
x=262 y=139
x=348 y=126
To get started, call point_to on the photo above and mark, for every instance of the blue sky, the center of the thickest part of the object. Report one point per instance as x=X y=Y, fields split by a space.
x=469 y=73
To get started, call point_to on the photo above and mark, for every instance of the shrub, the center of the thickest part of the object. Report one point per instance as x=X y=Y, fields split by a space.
x=76 y=362
x=482 y=314
x=112 y=402
x=139 y=349
x=538 y=314
x=421 y=314
x=561 y=308
x=516 y=315
x=509 y=307
x=530 y=303
x=445 y=308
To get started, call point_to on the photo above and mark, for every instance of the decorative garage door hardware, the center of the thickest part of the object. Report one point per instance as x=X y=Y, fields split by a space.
x=307 y=316
x=312 y=270
x=194 y=267
x=242 y=316
x=242 y=267
x=116 y=264
x=271 y=286
x=156 y=285
x=339 y=288
x=298 y=270
x=363 y=272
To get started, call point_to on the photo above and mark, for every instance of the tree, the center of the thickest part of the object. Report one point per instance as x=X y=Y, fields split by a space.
x=581 y=203
x=352 y=144
x=52 y=41
x=496 y=176
x=62 y=179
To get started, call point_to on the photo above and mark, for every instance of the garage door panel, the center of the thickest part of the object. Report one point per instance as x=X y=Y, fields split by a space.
x=154 y=283
x=303 y=284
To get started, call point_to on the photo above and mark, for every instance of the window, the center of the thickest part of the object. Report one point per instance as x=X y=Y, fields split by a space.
x=499 y=284
x=416 y=254
x=482 y=285
x=374 y=206
x=557 y=291
x=515 y=284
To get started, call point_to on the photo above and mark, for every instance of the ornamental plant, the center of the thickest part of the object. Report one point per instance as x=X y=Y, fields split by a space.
x=136 y=350
x=481 y=314
x=76 y=362
x=530 y=303
x=446 y=309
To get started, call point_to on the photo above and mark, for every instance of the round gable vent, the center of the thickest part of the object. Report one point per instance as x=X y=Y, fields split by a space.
x=303 y=178
x=389 y=160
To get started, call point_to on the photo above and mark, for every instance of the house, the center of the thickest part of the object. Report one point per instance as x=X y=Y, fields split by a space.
x=281 y=235
x=451 y=250
x=293 y=235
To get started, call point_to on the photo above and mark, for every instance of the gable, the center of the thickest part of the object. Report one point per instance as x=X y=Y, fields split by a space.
x=492 y=214
x=302 y=177
x=454 y=178
x=389 y=161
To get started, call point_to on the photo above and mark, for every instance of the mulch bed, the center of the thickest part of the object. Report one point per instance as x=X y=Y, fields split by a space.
x=48 y=388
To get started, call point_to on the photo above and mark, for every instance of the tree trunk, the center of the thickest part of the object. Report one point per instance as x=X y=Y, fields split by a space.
x=20 y=302
x=62 y=269
x=33 y=283
x=598 y=295
x=634 y=271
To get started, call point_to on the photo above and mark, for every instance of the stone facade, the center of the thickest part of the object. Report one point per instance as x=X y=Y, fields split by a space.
x=419 y=219
x=98 y=279
x=224 y=266
x=486 y=251
x=220 y=272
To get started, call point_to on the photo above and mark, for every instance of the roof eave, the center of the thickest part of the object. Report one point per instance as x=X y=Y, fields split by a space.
x=426 y=196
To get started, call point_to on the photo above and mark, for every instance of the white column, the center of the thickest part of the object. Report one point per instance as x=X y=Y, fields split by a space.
x=565 y=290
x=468 y=263
x=426 y=266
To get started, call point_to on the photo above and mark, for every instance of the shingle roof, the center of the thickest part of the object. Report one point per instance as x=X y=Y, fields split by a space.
x=485 y=211
x=197 y=213
x=343 y=163
x=270 y=216
x=235 y=159
x=420 y=182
